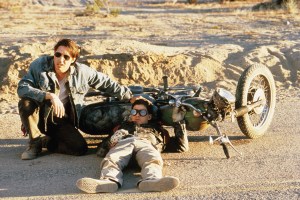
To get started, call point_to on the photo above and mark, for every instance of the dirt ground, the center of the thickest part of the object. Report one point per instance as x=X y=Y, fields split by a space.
x=208 y=44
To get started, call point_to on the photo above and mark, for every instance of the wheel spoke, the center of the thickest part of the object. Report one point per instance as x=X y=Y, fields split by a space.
x=256 y=86
x=259 y=82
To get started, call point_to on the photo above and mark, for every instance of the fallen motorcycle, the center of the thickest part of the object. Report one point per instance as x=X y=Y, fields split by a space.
x=253 y=106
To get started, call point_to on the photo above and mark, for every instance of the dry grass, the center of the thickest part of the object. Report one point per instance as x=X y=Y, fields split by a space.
x=292 y=6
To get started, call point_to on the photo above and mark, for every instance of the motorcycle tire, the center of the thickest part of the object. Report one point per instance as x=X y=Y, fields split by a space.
x=256 y=83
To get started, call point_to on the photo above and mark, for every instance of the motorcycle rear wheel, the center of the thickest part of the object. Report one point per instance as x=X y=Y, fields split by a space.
x=256 y=83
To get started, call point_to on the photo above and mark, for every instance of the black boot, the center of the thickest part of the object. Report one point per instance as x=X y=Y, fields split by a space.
x=32 y=151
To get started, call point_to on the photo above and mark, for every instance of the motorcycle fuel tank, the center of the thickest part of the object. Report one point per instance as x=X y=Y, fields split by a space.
x=193 y=123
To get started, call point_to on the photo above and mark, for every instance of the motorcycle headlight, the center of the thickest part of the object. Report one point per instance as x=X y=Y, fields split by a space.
x=222 y=98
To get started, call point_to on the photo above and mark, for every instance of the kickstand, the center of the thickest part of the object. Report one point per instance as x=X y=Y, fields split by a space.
x=223 y=140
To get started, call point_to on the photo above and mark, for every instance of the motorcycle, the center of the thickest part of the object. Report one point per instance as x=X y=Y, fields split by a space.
x=252 y=106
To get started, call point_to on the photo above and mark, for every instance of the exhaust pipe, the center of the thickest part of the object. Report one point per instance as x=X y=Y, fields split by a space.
x=245 y=109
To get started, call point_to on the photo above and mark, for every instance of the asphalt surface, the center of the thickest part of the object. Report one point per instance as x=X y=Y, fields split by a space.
x=268 y=169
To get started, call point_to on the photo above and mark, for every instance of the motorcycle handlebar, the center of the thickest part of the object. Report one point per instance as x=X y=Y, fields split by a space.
x=192 y=107
x=140 y=90
x=96 y=93
x=157 y=89
x=176 y=103
x=151 y=89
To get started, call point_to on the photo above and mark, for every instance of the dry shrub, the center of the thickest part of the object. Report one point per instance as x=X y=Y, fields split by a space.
x=292 y=6
x=97 y=5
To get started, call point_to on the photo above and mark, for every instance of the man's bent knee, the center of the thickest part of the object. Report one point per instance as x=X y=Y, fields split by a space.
x=27 y=106
x=81 y=150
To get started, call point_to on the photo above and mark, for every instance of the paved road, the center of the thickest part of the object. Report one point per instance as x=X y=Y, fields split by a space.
x=268 y=169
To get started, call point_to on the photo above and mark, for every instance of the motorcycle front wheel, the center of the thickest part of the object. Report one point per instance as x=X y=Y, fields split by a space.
x=256 y=83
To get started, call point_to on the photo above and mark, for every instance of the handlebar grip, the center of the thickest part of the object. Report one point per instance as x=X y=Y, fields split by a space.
x=148 y=89
x=96 y=93
x=166 y=102
x=136 y=89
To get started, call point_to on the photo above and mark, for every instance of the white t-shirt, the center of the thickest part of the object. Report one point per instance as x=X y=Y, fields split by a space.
x=63 y=93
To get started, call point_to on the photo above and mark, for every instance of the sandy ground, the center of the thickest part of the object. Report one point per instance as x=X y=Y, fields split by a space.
x=268 y=169
x=208 y=44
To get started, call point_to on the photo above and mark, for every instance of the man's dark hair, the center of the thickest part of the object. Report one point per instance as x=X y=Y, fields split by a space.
x=71 y=45
x=145 y=102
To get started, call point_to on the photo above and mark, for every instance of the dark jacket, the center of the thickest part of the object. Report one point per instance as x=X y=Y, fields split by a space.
x=153 y=132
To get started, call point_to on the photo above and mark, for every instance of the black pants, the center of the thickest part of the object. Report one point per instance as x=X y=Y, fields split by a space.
x=63 y=136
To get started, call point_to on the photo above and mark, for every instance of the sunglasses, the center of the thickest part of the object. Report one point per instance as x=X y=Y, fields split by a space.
x=58 y=55
x=142 y=113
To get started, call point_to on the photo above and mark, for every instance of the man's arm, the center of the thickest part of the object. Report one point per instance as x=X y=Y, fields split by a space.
x=105 y=84
x=30 y=84
x=34 y=85
x=181 y=139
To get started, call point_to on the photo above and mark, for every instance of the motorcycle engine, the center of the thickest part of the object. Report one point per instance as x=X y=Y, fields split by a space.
x=221 y=104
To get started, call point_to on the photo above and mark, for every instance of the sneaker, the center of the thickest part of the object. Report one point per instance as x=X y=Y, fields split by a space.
x=35 y=147
x=159 y=185
x=90 y=185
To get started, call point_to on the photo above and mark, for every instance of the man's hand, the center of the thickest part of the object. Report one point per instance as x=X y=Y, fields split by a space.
x=178 y=114
x=58 y=106
x=117 y=136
